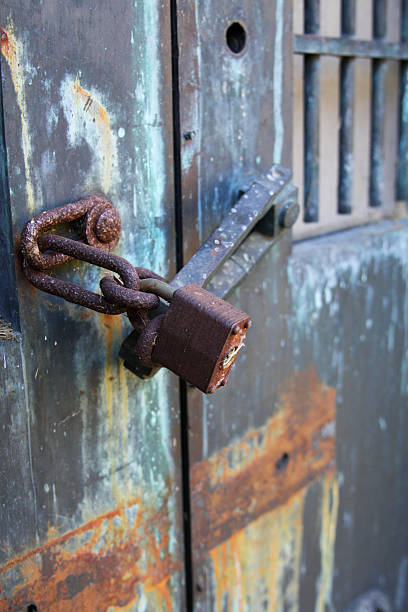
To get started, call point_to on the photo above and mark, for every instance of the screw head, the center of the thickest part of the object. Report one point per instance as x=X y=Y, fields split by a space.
x=288 y=215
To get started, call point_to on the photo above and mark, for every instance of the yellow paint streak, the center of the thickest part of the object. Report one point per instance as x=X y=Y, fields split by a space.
x=158 y=597
x=261 y=563
x=107 y=324
x=124 y=418
x=330 y=507
x=12 y=50
x=162 y=599
x=100 y=116
x=116 y=394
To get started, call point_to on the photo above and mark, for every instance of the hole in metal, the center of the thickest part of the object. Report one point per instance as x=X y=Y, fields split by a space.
x=32 y=608
x=282 y=463
x=236 y=37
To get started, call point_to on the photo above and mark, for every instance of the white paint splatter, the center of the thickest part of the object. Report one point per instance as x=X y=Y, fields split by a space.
x=89 y=121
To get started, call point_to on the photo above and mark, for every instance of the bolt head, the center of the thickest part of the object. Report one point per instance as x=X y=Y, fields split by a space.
x=288 y=215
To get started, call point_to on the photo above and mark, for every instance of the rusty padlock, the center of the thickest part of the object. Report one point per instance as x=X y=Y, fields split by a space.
x=198 y=338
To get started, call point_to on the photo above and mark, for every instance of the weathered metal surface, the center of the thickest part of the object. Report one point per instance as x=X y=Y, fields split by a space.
x=243 y=572
x=238 y=111
x=372 y=601
x=107 y=563
x=349 y=304
x=87 y=103
x=349 y=47
x=294 y=538
x=270 y=464
x=200 y=338
x=402 y=165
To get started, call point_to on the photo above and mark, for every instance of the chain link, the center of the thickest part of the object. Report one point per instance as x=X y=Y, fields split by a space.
x=101 y=229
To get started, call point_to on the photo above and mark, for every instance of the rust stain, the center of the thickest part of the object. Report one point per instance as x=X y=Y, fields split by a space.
x=96 y=566
x=252 y=571
x=6 y=44
x=266 y=467
x=114 y=371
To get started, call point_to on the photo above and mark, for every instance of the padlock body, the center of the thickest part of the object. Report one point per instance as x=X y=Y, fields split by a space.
x=200 y=337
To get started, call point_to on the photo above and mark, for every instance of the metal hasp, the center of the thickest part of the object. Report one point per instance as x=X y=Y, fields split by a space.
x=269 y=207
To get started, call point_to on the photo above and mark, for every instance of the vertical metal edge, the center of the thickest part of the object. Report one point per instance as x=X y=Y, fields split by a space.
x=9 y=311
x=377 y=111
x=402 y=164
x=345 y=187
x=311 y=116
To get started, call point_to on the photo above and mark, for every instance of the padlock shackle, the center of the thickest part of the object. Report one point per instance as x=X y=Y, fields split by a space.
x=158 y=287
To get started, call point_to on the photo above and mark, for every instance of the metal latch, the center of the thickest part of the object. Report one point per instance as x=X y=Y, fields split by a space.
x=199 y=335
x=270 y=206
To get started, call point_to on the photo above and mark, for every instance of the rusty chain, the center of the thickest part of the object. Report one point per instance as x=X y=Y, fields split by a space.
x=101 y=227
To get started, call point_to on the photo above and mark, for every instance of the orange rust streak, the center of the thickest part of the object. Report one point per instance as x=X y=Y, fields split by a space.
x=90 y=526
x=100 y=573
x=6 y=44
x=242 y=482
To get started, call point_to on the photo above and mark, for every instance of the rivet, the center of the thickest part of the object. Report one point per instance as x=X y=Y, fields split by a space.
x=235 y=330
x=288 y=214
x=247 y=324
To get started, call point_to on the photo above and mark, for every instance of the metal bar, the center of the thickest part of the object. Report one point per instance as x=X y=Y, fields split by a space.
x=9 y=308
x=307 y=44
x=402 y=169
x=377 y=110
x=235 y=227
x=311 y=116
x=345 y=187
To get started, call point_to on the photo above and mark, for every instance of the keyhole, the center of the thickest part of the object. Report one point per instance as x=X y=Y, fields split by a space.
x=236 y=37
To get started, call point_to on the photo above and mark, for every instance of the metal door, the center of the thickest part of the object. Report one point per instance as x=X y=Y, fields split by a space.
x=283 y=491
x=91 y=486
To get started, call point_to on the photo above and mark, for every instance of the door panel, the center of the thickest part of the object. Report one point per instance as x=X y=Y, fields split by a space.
x=238 y=109
x=348 y=318
x=295 y=467
x=292 y=472
x=91 y=475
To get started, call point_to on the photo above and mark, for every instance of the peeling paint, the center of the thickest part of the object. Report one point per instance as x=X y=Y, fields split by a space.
x=338 y=265
x=88 y=120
